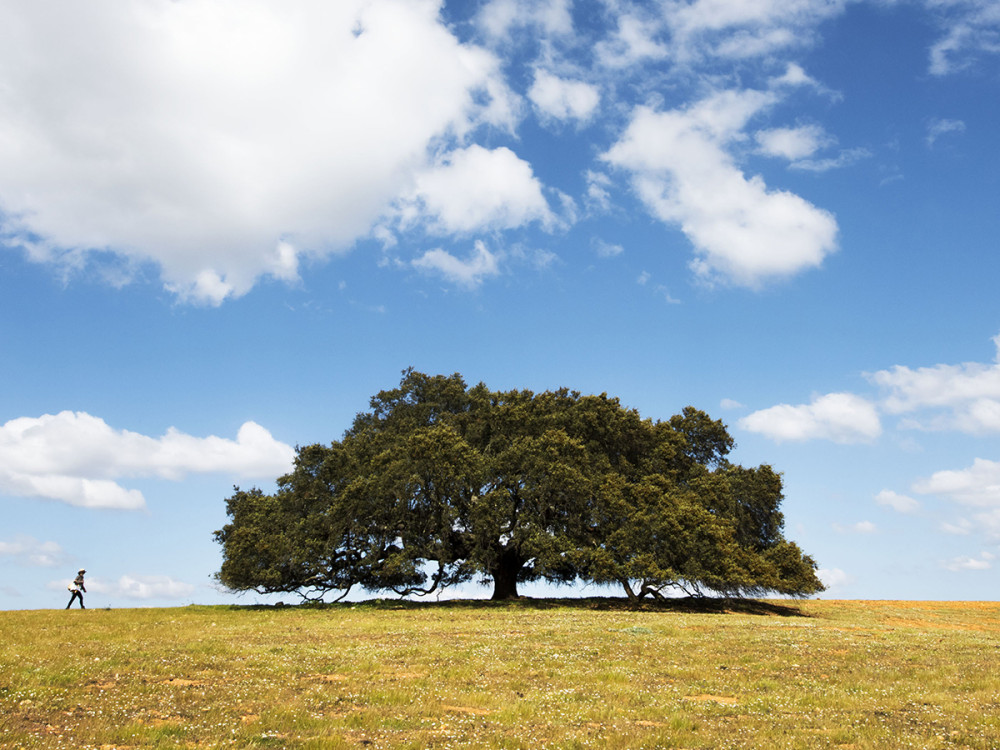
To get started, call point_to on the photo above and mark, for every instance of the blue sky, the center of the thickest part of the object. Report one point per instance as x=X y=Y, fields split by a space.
x=225 y=225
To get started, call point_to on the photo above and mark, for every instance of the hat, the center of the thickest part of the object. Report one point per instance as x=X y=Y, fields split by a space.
x=81 y=570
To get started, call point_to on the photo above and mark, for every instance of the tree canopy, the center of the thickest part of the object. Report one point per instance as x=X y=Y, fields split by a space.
x=439 y=483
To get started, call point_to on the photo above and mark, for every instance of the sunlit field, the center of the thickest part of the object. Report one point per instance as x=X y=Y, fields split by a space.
x=526 y=674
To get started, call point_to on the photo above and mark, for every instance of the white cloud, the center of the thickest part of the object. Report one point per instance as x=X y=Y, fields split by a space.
x=134 y=587
x=742 y=232
x=476 y=188
x=537 y=258
x=861 y=527
x=793 y=143
x=223 y=140
x=844 y=159
x=598 y=191
x=989 y=523
x=899 y=503
x=833 y=578
x=979 y=416
x=76 y=458
x=469 y=273
x=633 y=42
x=961 y=527
x=689 y=31
x=840 y=417
x=745 y=44
x=149 y=587
x=79 y=491
x=939 y=127
x=606 y=249
x=978 y=485
x=798 y=144
x=664 y=292
x=983 y=562
x=28 y=551
x=498 y=18
x=745 y=29
x=563 y=99
x=971 y=29
x=969 y=393
x=728 y=403
x=796 y=76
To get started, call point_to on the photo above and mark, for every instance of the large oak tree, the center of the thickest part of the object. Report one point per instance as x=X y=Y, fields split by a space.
x=439 y=483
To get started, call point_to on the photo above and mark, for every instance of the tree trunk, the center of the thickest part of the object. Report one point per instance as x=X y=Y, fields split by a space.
x=628 y=590
x=504 y=575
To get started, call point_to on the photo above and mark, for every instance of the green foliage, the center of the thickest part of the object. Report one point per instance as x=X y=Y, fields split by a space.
x=438 y=483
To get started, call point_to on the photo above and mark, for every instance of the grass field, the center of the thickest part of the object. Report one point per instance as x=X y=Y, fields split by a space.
x=526 y=674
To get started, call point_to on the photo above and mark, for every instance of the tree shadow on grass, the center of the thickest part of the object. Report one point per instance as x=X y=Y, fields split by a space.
x=692 y=605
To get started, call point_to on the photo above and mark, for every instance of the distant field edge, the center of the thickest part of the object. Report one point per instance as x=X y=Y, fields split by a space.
x=786 y=607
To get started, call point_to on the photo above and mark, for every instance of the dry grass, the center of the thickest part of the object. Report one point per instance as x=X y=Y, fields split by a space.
x=527 y=674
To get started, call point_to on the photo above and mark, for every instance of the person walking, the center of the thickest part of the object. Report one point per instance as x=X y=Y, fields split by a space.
x=77 y=590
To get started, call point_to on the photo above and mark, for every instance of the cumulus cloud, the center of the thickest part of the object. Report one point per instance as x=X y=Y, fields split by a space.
x=221 y=141
x=840 y=417
x=28 y=551
x=963 y=397
x=977 y=485
x=799 y=144
x=476 y=188
x=468 y=273
x=793 y=143
x=833 y=578
x=742 y=232
x=899 y=503
x=795 y=76
x=983 y=562
x=76 y=458
x=563 y=99
x=633 y=42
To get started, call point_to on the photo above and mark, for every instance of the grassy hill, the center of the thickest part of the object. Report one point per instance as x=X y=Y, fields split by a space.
x=526 y=674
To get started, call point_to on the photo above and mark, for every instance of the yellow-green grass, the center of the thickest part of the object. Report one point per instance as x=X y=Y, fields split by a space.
x=526 y=674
